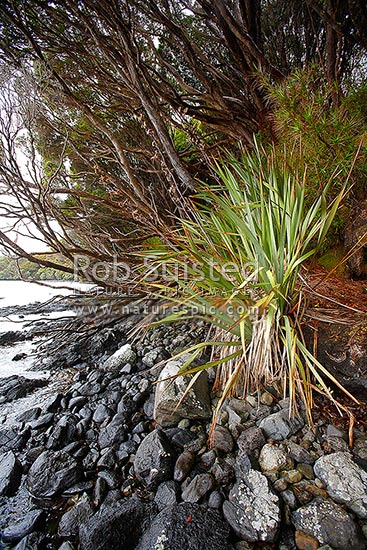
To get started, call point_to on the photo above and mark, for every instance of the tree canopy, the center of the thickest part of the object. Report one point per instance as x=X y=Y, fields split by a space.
x=123 y=104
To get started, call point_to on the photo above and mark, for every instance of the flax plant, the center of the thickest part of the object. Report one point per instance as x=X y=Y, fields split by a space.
x=237 y=265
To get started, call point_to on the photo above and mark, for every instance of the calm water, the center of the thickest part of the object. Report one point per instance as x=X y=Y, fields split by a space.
x=21 y=293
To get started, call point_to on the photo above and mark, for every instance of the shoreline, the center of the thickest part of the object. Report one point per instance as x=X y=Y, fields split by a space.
x=104 y=453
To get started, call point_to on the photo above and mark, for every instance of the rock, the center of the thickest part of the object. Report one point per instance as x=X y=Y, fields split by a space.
x=222 y=471
x=63 y=432
x=183 y=465
x=305 y=542
x=13 y=439
x=14 y=387
x=114 y=433
x=51 y=473
x=215 y=500
x=29 y=415
x=67 y=546
x=154 y=459
x=345 y=481
x=23 y=527
x=274 y=459
x=250 y=440
x=342 y=350
x=306 y=470
x=115 y=527
x=293 y=476
x=279 y=426
x=76 y=516
x=42 y=422
x=360 y=451
x=10 y=473
x=121 y=357
x=153 y=357
x=33 y=541
x=168 y=410
x=330 y=524
x=186 y=526
x=167 y=494
x=200 y=486
x=76 y=403
x=289 y=498
x=101 y=413
x=298 y=453
x=110 y=478
x=252 y=509
x=222 y=439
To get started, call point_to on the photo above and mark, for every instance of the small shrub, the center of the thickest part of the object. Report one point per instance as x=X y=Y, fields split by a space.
x=238 y=264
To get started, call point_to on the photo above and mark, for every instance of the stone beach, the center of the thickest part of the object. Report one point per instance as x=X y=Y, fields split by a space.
x=116 y=461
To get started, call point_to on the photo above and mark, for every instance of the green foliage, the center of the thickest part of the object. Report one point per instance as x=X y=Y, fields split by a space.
x=325 y=138
x=238 y=265
x=11 y=269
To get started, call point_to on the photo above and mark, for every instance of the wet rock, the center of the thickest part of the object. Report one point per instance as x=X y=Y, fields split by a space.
x=168 y=410
x=14 y=387
x=115 y=527
x=121 y=357
x=250 y=440
x=52 y=473
x=183 y=465
x=76 y=403
x=279 y=426
x=101 y=413
x=29 y=415
x=110 y=478
x=67 y=546
x=10 y=473
x=154 y=459
x=23 y=527
x=186 y=526
x=345 y=481
x=114 y=433
x=274 y=459
x=330 y=524
x=167 y=494
x=42 y=422
x=222 y=439
x=73 y=518
x=33 y=541
x=63 y=432
x=252 y=509
x=198 y=488
x=13 y=439
x=13 y=336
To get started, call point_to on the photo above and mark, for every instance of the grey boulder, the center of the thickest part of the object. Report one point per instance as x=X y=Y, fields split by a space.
x=186 y=526
x=52 y=473
x=115 y=527
x=170 y=407
x=121 y=357
x=252 y=510
x=18 y=530
x=280 y=425
x=10 y=473
x=330 y=524
x=345 y=481
x=154 y=459
x=76 y=516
